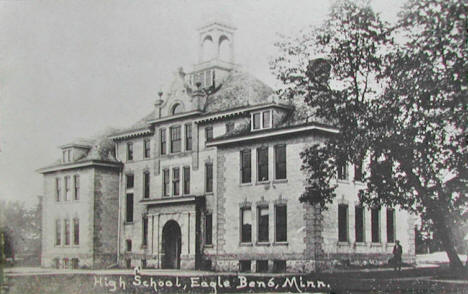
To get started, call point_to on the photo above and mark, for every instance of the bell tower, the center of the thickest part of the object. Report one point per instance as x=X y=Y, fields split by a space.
x=215 y=55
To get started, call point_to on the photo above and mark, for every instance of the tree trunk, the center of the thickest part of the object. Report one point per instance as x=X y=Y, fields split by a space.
x=445 y=234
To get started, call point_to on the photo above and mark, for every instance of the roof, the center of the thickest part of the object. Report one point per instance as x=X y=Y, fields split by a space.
x=239 y=89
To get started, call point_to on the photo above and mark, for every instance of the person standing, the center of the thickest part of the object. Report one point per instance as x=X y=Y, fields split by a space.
x=397 y=253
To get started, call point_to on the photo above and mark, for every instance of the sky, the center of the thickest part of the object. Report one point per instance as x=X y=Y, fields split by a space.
x=70 y=69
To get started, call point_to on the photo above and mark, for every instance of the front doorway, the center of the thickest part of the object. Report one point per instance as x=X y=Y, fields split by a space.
x=171 y=245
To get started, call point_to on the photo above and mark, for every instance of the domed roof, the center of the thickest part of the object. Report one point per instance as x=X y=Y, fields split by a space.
x=239 y=89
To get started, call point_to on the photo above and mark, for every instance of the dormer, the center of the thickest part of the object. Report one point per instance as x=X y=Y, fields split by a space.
x=74 y=151
x=268 y=116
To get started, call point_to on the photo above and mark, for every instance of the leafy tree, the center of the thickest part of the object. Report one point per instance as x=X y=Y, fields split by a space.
x=400 y=107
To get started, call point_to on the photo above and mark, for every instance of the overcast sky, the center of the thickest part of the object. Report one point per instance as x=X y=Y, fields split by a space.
x=71 y=69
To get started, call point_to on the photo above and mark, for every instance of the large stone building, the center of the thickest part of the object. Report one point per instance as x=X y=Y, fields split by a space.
x=210 y=179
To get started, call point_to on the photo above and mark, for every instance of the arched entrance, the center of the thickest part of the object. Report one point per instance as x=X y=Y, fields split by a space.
x=171 y=245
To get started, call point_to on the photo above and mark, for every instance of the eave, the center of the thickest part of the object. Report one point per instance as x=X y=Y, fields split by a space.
x=131 y=134
x=81 y=164
x=273 y=133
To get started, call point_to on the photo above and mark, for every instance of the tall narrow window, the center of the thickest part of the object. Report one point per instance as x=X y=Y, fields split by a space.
x=67 y=231
x=246 y=168
x=175 y=139
x=146 y=184
x=129 y=208
x=246 y=225
x=58 y=232
x=280 y=162
x=358 y=171
x=128 y=245
x=76 y=231
x=263 y=225
x=229 y=126
x=188 y=137
x=64 y=156
x=262 y=164
x=266 y=119
x=209 y=229
x=342 y=170
x=208 y=133
x=129 y=151
x=359 y=223
x=176 y=181
x=390 y=225
x=162 y=135
x=76 y=180
x=281 y=223
x=130 y=181
x=147 y=148
x=256 y=121
x=145 y=231
x=67 y=188
x=57 y=189
x=166 y=182
x=69 y=155
x=343 y=223
x=375 y=225
x=209 y=177
x=186 y=180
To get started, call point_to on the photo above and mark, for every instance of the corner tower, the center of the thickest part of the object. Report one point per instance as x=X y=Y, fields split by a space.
x=215 y=55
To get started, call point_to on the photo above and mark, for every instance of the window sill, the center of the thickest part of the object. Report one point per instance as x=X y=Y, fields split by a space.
x=246 y=244
x=343 y=181
x=126 y=223
x=208 y=245
x=209 y=193
x=280 y=181
x=245 y=184
x=262 y=183
x=262 y=244
x=281 y=243
x=375 y=244
x=360 y=244
x=342 y=244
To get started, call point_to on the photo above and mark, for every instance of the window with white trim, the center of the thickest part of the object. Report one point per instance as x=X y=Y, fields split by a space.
x=261 y=120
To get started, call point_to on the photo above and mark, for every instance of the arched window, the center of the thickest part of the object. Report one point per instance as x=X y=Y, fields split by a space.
x=208 y=49
x=177 y=108
x=225 y=48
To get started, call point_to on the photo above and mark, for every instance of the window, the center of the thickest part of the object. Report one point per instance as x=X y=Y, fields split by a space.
x=245 y=266
x=129 y=151
x=177 y=109
x=261 y=120
x=175 y=139
x=280 y=162
x=58 y=232
x=76 y=180
x=76 y=231
x=162 y=134
x=263 y=232
x=262 y=163
x=130 y=181
x=146 y=148
x=375 y=225
x=246 y=225
x=128 y=245
x=146 y=184
x=186 y=180
x=209 y=177
x=145 y=231
x=266 y=119
x=262 y=266
x=67 y=231
x=64 y=156
x=358 y=171
x=343 y=223
x=390 y=225
x=69 y=155
x=279 y=266
x=209 y=229
x=57 y=189
x=246 y=168
x=75 y=263
x=208 y=133
x=188 y=137
x=359 y=223
x=229 y=127
x=175 y=181
x=342 y=170
x=166 y=182
x=67 y=188
x=129 y=208
x=281 y=223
